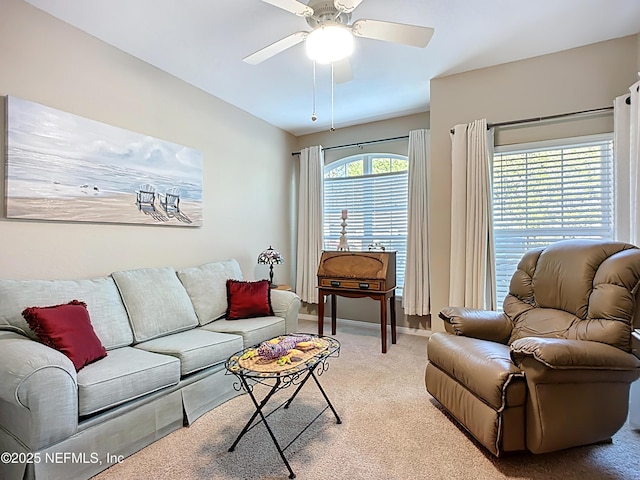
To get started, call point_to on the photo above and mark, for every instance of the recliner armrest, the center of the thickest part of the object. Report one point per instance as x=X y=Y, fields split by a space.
x=560 y=353
x=483 y=324
x=578 y=390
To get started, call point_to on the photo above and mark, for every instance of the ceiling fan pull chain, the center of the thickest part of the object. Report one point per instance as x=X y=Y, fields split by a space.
x=314 y=117
x=332 y=83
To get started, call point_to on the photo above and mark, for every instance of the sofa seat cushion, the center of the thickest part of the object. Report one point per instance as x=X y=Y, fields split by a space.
x=196 y=349
x=206 y=286
x=485 y=368
x=156 y=302
x=123 y=375
x=252 y=330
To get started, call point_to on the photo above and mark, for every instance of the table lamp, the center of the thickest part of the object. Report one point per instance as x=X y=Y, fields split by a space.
x=270 y=257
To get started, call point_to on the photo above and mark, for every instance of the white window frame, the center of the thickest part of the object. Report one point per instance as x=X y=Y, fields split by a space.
x=360 y=229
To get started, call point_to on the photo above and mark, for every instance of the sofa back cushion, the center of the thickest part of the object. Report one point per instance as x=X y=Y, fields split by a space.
x=156 y=302
x=576 y=289
x=207 y=287
x=106 y=311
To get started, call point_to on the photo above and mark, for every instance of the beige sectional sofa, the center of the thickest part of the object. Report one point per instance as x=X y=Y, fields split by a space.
x=166 y=340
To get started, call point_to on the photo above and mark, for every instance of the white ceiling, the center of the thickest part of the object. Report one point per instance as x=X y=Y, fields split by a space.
x=203 y=42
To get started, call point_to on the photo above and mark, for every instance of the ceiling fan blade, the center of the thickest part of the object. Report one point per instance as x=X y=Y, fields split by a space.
x=275 y=48
x=292 y=6
x=346 y=6
x=342 y=72
x=393 y=32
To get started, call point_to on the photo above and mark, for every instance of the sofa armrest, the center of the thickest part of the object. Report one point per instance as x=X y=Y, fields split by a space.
x=286 y=304
x=483 y=324
x=552 y=359
x=38 y=392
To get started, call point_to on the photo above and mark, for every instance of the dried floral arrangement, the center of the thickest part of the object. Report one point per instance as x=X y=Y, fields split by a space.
x=283 y=351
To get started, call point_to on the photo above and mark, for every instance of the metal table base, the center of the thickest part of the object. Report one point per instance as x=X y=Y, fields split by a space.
x=280 y=382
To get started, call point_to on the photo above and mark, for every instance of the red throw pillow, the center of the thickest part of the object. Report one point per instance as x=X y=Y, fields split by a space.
x=68 y=329
x=248 y=299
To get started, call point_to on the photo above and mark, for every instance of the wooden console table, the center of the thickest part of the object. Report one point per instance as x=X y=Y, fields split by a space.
x=358 y=275
x=379 y=296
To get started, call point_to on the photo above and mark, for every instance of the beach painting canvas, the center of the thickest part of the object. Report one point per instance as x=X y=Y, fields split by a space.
x=61 y=166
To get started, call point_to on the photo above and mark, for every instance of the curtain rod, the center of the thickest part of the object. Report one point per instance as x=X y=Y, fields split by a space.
x=548 y=117
x=359 y=144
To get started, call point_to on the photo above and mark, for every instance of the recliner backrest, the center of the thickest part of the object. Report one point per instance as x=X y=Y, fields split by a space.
x=576 y=289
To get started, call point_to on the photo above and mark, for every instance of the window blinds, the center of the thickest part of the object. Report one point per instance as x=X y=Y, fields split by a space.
x=545 y=194
x=377 y=212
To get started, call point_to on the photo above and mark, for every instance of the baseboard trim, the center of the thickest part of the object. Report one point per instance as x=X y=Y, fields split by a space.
x=369 y=325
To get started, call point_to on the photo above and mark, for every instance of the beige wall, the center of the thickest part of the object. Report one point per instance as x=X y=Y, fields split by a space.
x=572 y=80
x=248 y=168
x=365 y=309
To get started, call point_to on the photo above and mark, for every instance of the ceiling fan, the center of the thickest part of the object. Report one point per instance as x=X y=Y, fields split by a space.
x=331 y=18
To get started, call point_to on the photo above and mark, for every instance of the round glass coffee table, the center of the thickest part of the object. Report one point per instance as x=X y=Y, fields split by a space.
x=277 y=366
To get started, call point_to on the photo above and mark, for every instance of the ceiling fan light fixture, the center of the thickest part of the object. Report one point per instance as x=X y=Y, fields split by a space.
x=329 y=43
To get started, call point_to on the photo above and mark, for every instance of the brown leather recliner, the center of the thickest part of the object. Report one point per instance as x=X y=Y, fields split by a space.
x=553 y=370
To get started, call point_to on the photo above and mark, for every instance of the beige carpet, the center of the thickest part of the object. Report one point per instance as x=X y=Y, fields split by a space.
x=391 y=429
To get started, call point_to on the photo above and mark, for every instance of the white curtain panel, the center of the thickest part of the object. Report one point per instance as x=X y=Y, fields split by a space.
x=621 y=150
x=626 y=147
x=472 y=277
x=627 y=164
x=310 y=222
x=416 y=291
x=634 y=161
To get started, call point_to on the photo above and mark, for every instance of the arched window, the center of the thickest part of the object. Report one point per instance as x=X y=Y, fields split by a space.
x=373 y=188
